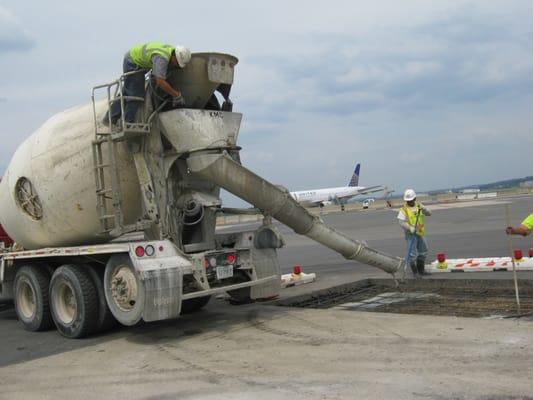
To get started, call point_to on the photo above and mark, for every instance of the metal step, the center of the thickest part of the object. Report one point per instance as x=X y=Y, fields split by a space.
x=131 y=131
x=101 y=166
x=137 y=227
x=103 y=191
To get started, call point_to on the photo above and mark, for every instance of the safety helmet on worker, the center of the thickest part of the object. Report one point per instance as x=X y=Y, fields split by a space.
x=409 y=195
x=183 y=55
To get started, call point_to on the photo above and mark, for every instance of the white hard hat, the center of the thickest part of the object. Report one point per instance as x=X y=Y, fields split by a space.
x=409 y=195
x=183 y=55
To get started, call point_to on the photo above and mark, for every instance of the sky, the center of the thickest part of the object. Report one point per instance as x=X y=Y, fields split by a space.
x=424 y=94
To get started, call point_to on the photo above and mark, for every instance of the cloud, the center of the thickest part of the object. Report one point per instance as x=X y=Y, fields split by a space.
x=466 y=57
x=13 y=36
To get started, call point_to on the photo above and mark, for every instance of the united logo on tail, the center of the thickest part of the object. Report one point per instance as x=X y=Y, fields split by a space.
x=355 y=177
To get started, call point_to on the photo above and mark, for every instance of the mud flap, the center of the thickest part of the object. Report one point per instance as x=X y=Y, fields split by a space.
x=266 y=264
x=7 y=277
x=163 y=288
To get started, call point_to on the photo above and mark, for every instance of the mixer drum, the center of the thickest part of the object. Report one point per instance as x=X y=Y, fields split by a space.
x=47 y=194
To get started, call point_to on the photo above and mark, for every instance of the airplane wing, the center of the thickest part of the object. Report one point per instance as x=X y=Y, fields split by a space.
x=364 y=190
x=372 y=189
x=309 y=203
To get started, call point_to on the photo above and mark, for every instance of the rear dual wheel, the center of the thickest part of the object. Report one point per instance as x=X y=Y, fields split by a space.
x=74 y=301
x=193 y=305
x=68 y=299
x=242 y=295
x=106 y=320
x=31 y=298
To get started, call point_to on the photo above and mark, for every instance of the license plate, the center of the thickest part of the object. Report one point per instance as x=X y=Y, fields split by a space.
x=225 y=272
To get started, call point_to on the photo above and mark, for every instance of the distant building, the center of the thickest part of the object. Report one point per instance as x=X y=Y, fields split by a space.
x=526 y=184
x=470 y=191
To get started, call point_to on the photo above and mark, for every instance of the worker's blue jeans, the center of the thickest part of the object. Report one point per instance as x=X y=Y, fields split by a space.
x=419 y=251
x=133 y=86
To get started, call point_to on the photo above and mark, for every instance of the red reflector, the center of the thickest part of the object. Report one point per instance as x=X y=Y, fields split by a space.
x=441 y=257
x=139 y=251
x=206 y=262
x=161 y=248
x=297 y=270
x=530 y=253
x=517 y=254
x=230 y=258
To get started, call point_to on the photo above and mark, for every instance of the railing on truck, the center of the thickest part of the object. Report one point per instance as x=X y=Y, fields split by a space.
x=108 y=194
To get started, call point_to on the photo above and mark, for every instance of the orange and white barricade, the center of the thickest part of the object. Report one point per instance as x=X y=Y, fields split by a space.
x=487 y=264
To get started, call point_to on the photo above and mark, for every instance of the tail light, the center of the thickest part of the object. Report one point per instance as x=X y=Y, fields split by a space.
x=230 y=258
x=148 y=251
x=215 y=260
x=139 y=251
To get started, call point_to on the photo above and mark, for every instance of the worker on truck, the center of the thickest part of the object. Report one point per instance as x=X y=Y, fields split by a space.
x=524 y=229
x=411 y=219
x=155 y=56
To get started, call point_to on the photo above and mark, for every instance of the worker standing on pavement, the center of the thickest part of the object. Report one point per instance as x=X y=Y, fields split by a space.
x=411 y=219
x=155 y=56
x=524 y=229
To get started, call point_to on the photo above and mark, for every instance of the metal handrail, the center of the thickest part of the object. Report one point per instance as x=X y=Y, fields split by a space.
x=153 y=114
x=118 y=96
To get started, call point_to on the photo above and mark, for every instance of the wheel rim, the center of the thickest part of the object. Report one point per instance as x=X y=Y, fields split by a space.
x=65 y=304
x=124 y=288
x=26 y=299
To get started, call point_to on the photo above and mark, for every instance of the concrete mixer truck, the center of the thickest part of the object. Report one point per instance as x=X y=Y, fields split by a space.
x=117 y=223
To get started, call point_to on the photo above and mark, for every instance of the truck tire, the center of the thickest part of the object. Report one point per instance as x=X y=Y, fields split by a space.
x=31 y=298
x=47 y=268
x=123 y=289
x=192 y=305
x=242 y=295
x=106 y=320
x=74 y=302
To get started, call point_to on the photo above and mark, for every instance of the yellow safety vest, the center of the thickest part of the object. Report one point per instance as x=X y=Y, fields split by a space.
x=411 y=219
x=143 y=53
x=528 y=222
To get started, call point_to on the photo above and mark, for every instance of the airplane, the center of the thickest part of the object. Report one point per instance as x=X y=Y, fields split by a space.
x=337 y=195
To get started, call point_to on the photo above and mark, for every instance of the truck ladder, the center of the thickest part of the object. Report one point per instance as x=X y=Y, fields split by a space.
x=109 y=198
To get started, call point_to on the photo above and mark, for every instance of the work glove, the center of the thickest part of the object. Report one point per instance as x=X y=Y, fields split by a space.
x=424 y=209
x=178 y=101
x=412 y=230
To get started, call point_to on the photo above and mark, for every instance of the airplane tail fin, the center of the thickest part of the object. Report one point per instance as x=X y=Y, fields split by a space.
x=355 y=177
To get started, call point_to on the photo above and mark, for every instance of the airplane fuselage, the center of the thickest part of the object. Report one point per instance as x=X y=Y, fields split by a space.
x=335 y=195
x=326 y=196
